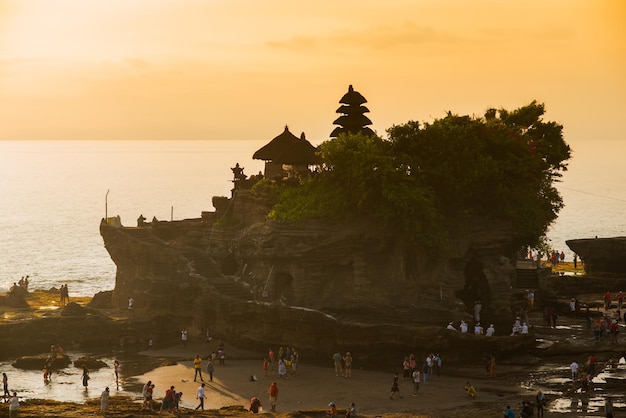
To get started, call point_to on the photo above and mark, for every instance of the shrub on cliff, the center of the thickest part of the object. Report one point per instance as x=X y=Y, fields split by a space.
x=427 y=179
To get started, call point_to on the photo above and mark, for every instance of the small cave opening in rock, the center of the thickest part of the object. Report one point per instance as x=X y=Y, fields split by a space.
x=282 y=287
x=229 y=265
x=476 y=288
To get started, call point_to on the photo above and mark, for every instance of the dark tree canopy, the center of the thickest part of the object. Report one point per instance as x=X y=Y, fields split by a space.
x=428 y=178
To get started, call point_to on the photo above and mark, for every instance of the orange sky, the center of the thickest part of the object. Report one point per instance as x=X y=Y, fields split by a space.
x=239 y=69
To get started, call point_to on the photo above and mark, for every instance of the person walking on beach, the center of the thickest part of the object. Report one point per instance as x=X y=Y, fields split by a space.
x=395 y=388
x=337 y=362
x=210 y=369
x=200 y=396
x=416 y=381
x=14 y=405
x=131 y=306
x=273 y=392
x=492 y=366
x=104 y=400
x=197 y=365
x=347 y=364
x=271 y=357
x=282 y=369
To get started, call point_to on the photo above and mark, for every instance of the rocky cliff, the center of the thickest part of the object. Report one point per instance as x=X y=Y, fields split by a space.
x=602 y=256
x=317 y=286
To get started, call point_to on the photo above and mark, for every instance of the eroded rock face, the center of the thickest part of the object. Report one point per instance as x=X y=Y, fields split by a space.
x=601 y=256
x=316 y=286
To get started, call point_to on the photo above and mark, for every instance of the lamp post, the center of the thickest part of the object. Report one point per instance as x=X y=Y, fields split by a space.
x=106 y=207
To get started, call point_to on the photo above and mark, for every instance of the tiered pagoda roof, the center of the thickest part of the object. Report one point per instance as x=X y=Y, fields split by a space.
x=353 y=119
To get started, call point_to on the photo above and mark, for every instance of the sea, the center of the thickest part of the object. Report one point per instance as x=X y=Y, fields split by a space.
x=53 y=195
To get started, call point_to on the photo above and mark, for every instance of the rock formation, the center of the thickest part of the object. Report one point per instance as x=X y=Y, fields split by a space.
x=601 y=256
x=316 y=286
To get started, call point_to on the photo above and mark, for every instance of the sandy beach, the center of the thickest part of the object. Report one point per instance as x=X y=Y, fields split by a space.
x=308 y=393
x=314 y=387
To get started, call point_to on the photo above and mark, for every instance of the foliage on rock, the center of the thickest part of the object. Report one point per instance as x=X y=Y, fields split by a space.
x=427 y=179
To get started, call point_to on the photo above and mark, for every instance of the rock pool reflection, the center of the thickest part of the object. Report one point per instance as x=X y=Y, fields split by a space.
x=66 y=384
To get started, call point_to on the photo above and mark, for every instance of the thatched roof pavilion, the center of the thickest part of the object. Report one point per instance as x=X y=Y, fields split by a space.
x=298 y=153
x=286 y=150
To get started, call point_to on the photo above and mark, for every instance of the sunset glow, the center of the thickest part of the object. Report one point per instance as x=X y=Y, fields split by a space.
x=209 y=69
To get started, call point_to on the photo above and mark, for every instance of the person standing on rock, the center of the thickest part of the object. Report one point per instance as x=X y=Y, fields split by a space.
x=5 y=385
x=463 y=327
x=85 y=377
x=592 y=361
x=540 y=400
x=131 y=306
x=104 y=400
x=608 y=407
x=116 y=368
x=477 y=308
x=14 y=405
x=574 y=369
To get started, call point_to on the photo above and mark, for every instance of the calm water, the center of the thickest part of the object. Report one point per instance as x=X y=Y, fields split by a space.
x=66 y=384
x=53 y=194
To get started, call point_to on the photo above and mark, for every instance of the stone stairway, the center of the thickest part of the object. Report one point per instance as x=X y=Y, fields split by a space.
x=526 y=279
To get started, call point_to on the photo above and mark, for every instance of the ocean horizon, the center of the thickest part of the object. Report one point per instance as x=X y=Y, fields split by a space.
x=53 y=195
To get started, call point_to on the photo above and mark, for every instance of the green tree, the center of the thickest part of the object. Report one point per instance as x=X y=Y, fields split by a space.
x=427 y=179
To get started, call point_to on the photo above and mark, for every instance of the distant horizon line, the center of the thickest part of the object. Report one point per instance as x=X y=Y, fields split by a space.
x=133 y=139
